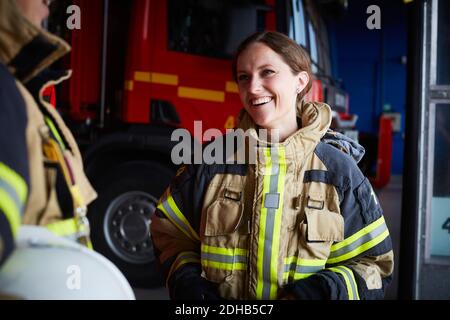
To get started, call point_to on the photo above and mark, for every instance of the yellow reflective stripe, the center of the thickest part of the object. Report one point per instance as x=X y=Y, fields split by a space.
x=306 y=264
x=270 y=223
x=358 y=234
x=277 y=224
x=350 y=282
x=368 y=245
x=224 y=265
x=69 y=228
x=183 y=224
x=13 y=193
x=12 y=213
x=239 y=251
x=224 y=258
x=298 y=276
x=295 y=275
x=362 y=248
x=224 y=251
x=55 y=132
x=13 y=179
x=353 y=280
x=63 y=228
x=182 y=259
x=177 y=211
x=160 y=207
x=89 y=245
x=262 y=223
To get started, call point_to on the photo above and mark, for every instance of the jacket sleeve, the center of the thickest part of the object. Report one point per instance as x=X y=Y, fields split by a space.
x=360 y=266
x=175 y=225
x=13 y=162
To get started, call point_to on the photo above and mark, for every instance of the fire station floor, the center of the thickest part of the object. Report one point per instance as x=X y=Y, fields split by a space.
x=390 y=199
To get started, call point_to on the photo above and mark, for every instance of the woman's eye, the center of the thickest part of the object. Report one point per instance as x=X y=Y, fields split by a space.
x=267 y=72
x=242 y=77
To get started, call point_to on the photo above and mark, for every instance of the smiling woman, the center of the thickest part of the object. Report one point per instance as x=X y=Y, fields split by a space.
x=273 y=75
x=301 y=221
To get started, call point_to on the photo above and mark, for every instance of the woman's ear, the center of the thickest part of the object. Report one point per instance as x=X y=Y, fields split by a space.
x=303 y=80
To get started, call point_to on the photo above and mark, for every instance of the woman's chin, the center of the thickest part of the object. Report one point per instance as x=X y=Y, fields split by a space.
x=262 y=120
x=263 y=123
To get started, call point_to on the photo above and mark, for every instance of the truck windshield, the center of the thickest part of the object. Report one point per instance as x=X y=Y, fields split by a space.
x=212 y=28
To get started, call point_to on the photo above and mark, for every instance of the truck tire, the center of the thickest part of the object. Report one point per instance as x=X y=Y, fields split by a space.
x=120 y=218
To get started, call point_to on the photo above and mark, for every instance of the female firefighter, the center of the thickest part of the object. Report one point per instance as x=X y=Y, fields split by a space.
x=300 y=221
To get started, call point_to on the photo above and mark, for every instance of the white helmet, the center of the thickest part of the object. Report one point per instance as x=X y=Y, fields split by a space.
x=45 y=266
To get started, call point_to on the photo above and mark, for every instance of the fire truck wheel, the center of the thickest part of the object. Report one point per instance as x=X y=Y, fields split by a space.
x=120 y=218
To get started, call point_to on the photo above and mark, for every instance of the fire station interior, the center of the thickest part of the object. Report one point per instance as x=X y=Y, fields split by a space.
x=382 y=65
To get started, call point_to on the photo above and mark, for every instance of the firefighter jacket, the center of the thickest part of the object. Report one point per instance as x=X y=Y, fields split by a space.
x=41 y=172
x=301 y=217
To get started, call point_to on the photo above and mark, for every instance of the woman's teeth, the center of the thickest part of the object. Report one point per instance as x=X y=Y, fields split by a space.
x=260 y=101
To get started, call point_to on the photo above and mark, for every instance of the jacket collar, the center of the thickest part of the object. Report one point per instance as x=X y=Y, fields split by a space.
x=315 y=119
x=24 y=48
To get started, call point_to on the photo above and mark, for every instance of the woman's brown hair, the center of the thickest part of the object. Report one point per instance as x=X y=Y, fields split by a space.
x=292 y=53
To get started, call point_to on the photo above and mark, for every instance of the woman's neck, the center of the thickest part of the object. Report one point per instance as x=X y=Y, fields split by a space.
x=281 y=132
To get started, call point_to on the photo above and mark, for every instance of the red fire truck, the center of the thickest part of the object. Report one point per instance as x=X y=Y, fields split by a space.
x=145 y=67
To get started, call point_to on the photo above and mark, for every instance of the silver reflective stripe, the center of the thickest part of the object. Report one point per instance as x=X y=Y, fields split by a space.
x=350 y=278
x=177 y=220
x=223 y=258
x=12 y=193
x=302 y=269
x=269 y=227
x=189 y=255
x=360 y=241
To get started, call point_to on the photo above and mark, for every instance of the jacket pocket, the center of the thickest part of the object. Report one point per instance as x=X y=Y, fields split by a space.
x=223 y=249
x=310 y=243
x=318 y=232
x=223 y=217
x=324 y=225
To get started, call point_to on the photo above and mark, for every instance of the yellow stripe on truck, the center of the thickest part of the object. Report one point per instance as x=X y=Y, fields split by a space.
x=231 y=86
x=201 y=94
x=183 y=92
x=155 y=77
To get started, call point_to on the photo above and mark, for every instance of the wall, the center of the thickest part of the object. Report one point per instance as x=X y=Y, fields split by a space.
x=370 y=65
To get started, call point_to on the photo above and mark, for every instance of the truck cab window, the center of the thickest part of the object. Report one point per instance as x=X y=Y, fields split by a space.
x=211 y=28
x=297 y=29
x=313 y=47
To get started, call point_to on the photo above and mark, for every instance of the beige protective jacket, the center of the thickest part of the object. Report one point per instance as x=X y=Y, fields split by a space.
x=27 y=51
x=303 y=211
x=302 y=217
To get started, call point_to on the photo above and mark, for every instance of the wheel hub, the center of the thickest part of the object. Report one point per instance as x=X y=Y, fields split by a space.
x=127 y=226
x=134 y=228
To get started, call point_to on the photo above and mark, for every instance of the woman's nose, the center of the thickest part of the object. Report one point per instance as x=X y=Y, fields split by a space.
x=255 y=85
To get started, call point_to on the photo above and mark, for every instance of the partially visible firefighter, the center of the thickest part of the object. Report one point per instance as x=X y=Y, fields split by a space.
x=42 y=181
x=44 y=233
x=300 y=221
